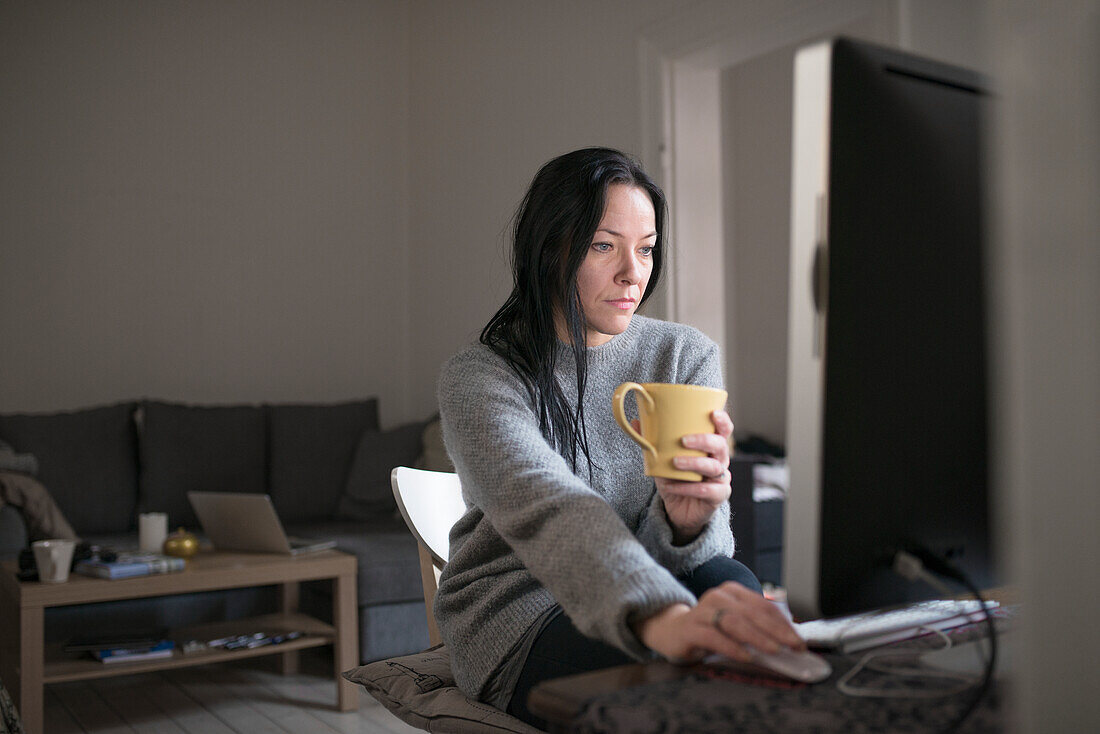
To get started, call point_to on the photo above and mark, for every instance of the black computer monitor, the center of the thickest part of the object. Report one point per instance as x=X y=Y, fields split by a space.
x=887 y=406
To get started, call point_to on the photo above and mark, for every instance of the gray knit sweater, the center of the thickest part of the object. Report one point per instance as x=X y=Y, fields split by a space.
x=534 y=533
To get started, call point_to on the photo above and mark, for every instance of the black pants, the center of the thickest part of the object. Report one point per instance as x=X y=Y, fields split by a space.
x=562 y=650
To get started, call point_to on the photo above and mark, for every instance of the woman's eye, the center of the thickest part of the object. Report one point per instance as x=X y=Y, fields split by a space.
x=601 y=246
x=646 y=250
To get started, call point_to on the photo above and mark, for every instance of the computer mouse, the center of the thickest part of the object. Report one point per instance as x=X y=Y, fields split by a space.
x=803 y=667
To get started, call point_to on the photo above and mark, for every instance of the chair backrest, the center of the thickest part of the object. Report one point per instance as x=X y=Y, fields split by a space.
x=430 y=502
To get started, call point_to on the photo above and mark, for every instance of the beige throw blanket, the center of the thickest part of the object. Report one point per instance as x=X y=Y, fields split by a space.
x=44 y=518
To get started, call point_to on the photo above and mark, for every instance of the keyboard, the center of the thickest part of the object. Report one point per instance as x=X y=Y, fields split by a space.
x=860 y=631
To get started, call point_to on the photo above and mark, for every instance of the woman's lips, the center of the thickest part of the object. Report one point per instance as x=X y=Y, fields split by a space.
x=622 y=303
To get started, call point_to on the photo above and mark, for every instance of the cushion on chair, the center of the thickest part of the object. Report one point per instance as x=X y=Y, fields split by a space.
x=86 y=460
x=368 y=492
x=311 y=449
x=420 y=690
x=206 y=448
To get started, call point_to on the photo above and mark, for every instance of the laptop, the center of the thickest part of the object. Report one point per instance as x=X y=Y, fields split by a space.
x=246 y=521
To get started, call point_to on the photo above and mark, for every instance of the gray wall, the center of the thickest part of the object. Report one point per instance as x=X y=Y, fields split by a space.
x=756 y=119
x=194 y=204
x=499 y=88
x=253 y=201
x=203 y=201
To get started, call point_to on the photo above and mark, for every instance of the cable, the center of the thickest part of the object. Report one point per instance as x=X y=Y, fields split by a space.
x=910 y=567
x=844 y=684
x=915 y=562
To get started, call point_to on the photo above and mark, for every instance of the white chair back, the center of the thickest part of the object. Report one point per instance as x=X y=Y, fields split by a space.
x=430 y=502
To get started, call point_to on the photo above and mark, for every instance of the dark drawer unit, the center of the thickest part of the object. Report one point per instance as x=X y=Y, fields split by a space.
x=769 y=541
x=757 y=526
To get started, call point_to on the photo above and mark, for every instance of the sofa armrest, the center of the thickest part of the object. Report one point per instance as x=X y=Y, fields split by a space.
x=13 y=532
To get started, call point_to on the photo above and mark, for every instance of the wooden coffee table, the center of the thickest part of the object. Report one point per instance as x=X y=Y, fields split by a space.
x=27 y=663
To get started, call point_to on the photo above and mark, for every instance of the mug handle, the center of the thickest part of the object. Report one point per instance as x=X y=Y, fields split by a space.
x=618 y=409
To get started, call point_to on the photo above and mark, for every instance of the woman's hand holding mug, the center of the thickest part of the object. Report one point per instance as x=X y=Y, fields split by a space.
x=690 y=505
x=684 y=432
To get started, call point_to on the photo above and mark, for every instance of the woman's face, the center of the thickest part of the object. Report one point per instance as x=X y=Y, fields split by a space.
x=616 y=270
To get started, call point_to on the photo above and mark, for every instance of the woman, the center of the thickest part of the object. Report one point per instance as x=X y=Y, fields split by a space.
x=569 y=558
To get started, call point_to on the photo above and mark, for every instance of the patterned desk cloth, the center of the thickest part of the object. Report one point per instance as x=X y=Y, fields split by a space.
x=714 y=701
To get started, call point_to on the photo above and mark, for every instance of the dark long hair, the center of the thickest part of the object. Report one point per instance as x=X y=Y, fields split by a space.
x=552 y=233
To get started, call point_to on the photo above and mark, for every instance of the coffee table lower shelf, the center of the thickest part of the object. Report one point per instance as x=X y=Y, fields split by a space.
x=61 y=667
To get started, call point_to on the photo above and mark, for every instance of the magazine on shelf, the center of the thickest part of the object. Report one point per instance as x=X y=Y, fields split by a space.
x=162 y=649
x=128 y=565
x=143 y=638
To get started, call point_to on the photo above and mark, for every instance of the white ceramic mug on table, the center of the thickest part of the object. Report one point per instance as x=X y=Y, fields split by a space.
x=53 y=559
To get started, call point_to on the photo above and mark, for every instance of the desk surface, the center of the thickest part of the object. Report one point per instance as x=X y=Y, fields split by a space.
x=668 y=698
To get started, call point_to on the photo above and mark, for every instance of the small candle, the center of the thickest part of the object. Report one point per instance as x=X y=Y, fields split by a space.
x=152 y=530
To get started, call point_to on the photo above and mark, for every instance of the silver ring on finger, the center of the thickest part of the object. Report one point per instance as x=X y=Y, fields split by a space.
x=716 y=620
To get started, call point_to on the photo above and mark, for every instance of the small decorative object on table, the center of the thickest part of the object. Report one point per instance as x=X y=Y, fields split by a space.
x=181 y=544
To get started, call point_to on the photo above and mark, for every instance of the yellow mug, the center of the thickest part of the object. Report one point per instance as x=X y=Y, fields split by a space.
x=667 y=413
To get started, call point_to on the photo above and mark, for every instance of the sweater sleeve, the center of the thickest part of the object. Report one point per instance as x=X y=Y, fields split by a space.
x=655 y=531
x=564 y=533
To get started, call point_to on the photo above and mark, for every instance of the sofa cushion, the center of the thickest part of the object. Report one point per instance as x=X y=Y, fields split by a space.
x=87 y=459
x=388 y=630
x=368 y=492
x=434 y=456
x=389 y=567
x=208 y=448
x=310 y=448
x=420 y=690
x=13 y=532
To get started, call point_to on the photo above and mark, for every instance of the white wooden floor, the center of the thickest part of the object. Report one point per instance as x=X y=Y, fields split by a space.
x=248 y=697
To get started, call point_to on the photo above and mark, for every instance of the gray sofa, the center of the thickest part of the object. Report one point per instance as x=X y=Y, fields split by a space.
x=326 y=467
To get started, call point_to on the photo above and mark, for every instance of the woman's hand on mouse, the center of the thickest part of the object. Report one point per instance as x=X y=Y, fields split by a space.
x=690 y=505
x=726 y=619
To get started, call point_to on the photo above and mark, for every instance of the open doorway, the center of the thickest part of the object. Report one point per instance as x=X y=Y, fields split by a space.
x=717 y=90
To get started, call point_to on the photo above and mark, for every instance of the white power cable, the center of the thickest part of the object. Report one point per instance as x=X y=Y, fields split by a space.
x=845 y=686
x=910 y=567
